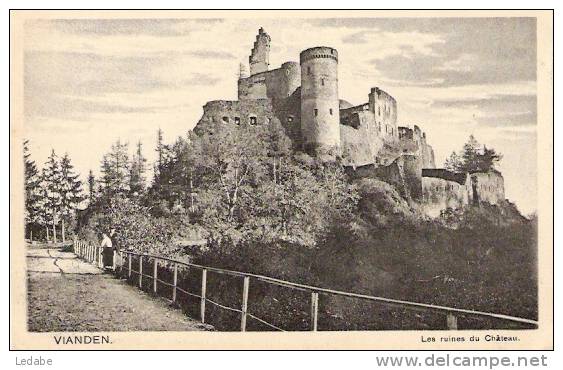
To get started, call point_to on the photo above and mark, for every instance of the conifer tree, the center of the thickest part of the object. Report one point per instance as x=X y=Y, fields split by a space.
x=137 y=172
x=160 y=154
x=52 y=178
x=115 y=170
x=453 y=163
x=32 y=190
x=470 y=154
x=70 y=192
x=92 y=190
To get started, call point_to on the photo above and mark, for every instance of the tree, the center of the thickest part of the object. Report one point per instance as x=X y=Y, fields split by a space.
x=469 y=155
x=160 y=147
x=242 y=200
x=92 y=190
x=70 y=192
x=32 y=189
x=52 y=180
x=453 y=163
x=472 y=158
x=137 y=172
x=115 y=170
x=488 y=159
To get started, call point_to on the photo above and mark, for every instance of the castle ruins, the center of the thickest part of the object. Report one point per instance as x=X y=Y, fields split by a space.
x=304 y=98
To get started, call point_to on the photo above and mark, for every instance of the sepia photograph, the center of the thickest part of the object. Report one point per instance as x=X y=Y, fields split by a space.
x=380 y=174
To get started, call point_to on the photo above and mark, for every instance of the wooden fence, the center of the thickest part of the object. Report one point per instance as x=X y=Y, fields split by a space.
x=123 y=266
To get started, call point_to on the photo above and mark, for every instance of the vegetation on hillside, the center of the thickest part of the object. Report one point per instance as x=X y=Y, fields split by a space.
x=266 y=209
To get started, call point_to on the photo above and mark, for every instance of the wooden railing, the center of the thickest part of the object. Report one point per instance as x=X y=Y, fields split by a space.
x=122 y=263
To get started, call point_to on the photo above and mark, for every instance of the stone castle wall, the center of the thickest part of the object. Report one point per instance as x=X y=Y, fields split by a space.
x=253 y=112
x=277 y=84
x=442 y=189
x=487 y=187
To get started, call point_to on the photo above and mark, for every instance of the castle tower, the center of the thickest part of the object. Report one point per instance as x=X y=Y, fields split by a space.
x=320 y=115
x=259 y=58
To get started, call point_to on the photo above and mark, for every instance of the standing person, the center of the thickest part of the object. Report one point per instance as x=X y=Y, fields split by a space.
x=108 y=248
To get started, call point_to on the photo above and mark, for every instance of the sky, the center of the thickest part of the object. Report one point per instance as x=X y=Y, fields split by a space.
x=89 y=82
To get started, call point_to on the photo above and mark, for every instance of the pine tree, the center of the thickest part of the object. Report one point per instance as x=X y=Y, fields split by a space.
x=32 y=190
x=137 y=172
x=92 y=190
x=470 y=154
x=453 y=163
x=115 y=170
x=160 y=154
x=70 y=192
x=51 y=177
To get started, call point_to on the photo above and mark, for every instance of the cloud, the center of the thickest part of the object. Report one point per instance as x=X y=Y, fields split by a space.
x=470 y=51
x=211 y=54
x=497 y=110
x=140 y=26
x=495 y=103
x=81 y=74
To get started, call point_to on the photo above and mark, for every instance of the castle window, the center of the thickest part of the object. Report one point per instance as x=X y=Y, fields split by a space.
x=225 y=119
x=330 y=110
x=309 y=70
x=322 y=81
x=237 y=120
x=289 y=119
x=379 y=111
x=316 y=112
x=252 y=120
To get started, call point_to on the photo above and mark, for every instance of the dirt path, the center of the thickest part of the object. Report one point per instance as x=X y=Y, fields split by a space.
x=66 y=294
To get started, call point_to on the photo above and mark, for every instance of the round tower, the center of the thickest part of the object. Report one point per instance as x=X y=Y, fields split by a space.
x=320 y=116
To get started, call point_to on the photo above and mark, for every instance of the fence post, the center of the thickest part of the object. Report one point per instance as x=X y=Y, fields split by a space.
x=154 y=274
x=129 y=264
x=244 y=303
x=175 y=282
x=314 y=310
x=120 y=263
x=114 y=264
x=140 y=271
x=203 y=291
x=451 y=321
x=100 y=260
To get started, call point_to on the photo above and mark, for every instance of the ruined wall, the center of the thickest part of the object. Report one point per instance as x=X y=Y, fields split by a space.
x=413 y=141
x=487 y=187
x=276 y=84
x=253 y=112
x=288 y=111
x=439 y=193
x=384 y=107
x=259 y=58
x=404 y=173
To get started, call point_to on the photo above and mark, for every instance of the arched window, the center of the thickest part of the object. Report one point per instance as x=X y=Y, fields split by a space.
x=253 y=120
x=225 y=119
